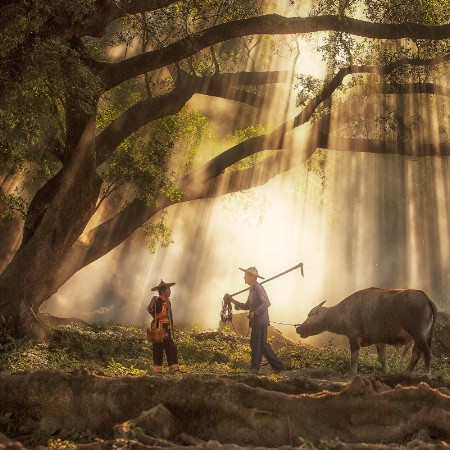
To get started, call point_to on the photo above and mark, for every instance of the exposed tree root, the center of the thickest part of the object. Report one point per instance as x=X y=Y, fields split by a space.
x=205 y=411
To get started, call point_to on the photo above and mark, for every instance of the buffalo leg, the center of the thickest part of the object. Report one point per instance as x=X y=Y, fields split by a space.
x=416 y=353
x=354 y=349
x=381 y=350
x=421 y=348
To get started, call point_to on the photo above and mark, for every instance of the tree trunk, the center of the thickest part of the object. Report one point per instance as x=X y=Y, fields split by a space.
x=24 y=282
x=19 y=319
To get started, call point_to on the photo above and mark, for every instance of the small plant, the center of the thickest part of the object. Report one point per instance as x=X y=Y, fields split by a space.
x=58 y=444
x=117 y=369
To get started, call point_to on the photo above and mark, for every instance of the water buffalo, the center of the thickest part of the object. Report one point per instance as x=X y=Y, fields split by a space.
x=378 y=316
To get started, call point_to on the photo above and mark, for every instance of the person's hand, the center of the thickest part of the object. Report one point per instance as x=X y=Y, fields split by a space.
x=228 y=298
x=251 y=315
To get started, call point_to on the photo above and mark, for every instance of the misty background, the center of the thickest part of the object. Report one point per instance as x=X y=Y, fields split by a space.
x=354 y=219
x=366 y=225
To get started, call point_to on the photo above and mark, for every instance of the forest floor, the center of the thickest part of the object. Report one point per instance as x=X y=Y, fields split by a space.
x=92 y=387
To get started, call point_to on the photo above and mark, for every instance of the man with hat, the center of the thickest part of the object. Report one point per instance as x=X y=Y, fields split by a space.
x=161 y=310
x=257 y=304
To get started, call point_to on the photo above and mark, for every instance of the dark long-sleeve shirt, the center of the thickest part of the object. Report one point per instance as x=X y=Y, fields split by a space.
x=258 y=303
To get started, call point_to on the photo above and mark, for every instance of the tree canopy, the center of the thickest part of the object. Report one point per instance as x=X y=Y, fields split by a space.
x=97 y=138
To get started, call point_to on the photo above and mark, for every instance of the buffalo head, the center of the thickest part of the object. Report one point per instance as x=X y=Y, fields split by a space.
x=314 y=324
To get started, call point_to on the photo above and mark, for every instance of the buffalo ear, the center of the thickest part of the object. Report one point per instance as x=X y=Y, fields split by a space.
x=316 y=309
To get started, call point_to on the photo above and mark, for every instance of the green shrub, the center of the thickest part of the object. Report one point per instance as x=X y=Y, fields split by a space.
x=119 y=350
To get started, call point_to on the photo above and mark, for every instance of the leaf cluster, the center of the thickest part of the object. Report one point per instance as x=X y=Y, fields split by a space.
x=33 y=108
x=158 y=233
x=164 y=26
x=424 y=12
x=237 y=136
x=156 y=156
x=40 y=19
x=12 y=205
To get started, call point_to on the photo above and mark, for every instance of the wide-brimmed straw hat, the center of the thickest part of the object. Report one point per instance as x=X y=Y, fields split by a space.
x=253 y=271
x=162 y=286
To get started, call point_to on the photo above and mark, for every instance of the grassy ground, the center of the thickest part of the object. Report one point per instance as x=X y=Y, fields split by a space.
x=118 y=350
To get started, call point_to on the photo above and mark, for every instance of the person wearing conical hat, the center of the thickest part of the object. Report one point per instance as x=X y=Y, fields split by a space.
x=258 y=305
x=160 y=309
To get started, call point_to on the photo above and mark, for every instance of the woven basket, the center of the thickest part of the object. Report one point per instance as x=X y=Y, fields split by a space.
x=155 y=334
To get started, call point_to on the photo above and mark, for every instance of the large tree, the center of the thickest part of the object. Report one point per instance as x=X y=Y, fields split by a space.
x=80 y=125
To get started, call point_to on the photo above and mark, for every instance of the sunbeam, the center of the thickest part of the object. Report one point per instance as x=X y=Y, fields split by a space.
x=357 y=213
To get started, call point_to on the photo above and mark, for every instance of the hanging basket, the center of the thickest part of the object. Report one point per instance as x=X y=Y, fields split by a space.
x=155 y=334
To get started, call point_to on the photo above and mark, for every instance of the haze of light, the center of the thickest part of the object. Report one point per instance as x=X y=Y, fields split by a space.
x=365 y=220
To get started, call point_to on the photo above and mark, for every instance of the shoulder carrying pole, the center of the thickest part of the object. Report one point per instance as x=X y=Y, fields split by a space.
x=276 y=276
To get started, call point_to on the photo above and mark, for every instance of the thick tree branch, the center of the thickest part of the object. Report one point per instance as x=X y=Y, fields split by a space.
x=199 y=185
x=115 y=73
x=137 y=213
x=137 y=116
x=66 y=28
x=196 y=185
x=103 y=238
x=149 y=110
x=212 y=180
x=383 y=146
x=275 y=140
x=223 y=86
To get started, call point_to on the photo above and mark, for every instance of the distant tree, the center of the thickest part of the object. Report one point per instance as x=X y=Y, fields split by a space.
x=80 y=126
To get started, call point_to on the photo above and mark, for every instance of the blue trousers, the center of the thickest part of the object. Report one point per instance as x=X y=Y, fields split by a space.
x=260 y=348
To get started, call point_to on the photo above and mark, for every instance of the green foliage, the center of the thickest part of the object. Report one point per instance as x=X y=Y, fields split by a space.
x=39 y=77
x=187 y=17
x=317 y=164
x=11 y=205
x=164 y=26
x=238 y=136
x=188 y=130
x=425 y=12
x=142 y=161
x=32 y=18
x=98 y=348
x=115 y=102
x=60 y=444
x=117 y=369
x=298 y=356
x=308 y=87
x=140 y=164
x=158 y=233
x=119 y=350
x=335 y=7
x=9 y=343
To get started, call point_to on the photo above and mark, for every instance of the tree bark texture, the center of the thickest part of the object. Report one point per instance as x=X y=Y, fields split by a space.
x=63 y=221
x=245 y=410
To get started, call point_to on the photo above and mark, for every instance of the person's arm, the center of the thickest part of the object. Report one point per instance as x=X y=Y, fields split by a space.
x=237 y=305
x=152 y=306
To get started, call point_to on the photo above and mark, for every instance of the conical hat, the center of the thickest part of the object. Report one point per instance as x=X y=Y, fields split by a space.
x=253 y=271
x=162 y=286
